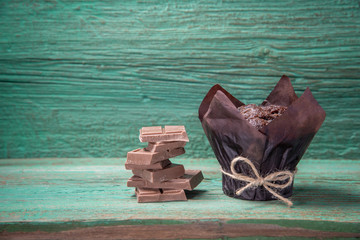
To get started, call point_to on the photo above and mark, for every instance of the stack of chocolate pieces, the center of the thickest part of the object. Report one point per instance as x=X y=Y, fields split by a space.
x=156 y=178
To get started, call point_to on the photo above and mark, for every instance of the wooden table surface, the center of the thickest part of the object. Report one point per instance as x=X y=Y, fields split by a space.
x=57 y=198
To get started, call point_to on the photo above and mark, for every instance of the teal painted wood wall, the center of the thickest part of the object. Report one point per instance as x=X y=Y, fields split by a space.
x=80 y=79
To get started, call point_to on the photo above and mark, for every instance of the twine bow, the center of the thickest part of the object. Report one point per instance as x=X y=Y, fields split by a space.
x=268 y=182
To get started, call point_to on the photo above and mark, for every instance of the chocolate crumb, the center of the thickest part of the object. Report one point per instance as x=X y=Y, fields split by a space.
x=260 y=116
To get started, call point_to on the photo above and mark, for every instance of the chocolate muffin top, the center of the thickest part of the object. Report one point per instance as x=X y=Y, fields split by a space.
x=260 y=116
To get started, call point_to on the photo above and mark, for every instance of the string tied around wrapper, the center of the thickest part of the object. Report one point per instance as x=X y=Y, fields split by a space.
x=268 y=182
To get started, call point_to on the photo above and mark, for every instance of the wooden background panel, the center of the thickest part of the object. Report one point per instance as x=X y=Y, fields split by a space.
x=80 y=79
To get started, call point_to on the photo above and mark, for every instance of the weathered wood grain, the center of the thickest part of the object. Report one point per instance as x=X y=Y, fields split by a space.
x=80 y=79
x=63 y=190
x=202 y=230
x=82 y=198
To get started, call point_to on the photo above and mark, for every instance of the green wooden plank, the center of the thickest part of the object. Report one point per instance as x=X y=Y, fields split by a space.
x=80 y=79
x=66 y=190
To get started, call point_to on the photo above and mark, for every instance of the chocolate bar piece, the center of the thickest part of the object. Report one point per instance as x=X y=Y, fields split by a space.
x=154 y=166
x=159 y=195
x=143 y=157
x=166 y=134
x=164 y=146
x=170 y=172
x=189 y=181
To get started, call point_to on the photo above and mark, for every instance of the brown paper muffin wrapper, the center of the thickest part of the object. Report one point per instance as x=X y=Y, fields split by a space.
x=275 y=147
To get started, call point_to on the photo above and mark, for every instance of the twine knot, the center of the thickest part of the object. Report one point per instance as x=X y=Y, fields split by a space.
x=259 y=182
x=268 y=182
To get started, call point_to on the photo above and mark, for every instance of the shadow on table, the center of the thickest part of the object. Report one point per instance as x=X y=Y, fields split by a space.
x=195 y=193
x=319 y=195
x=189 y=194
